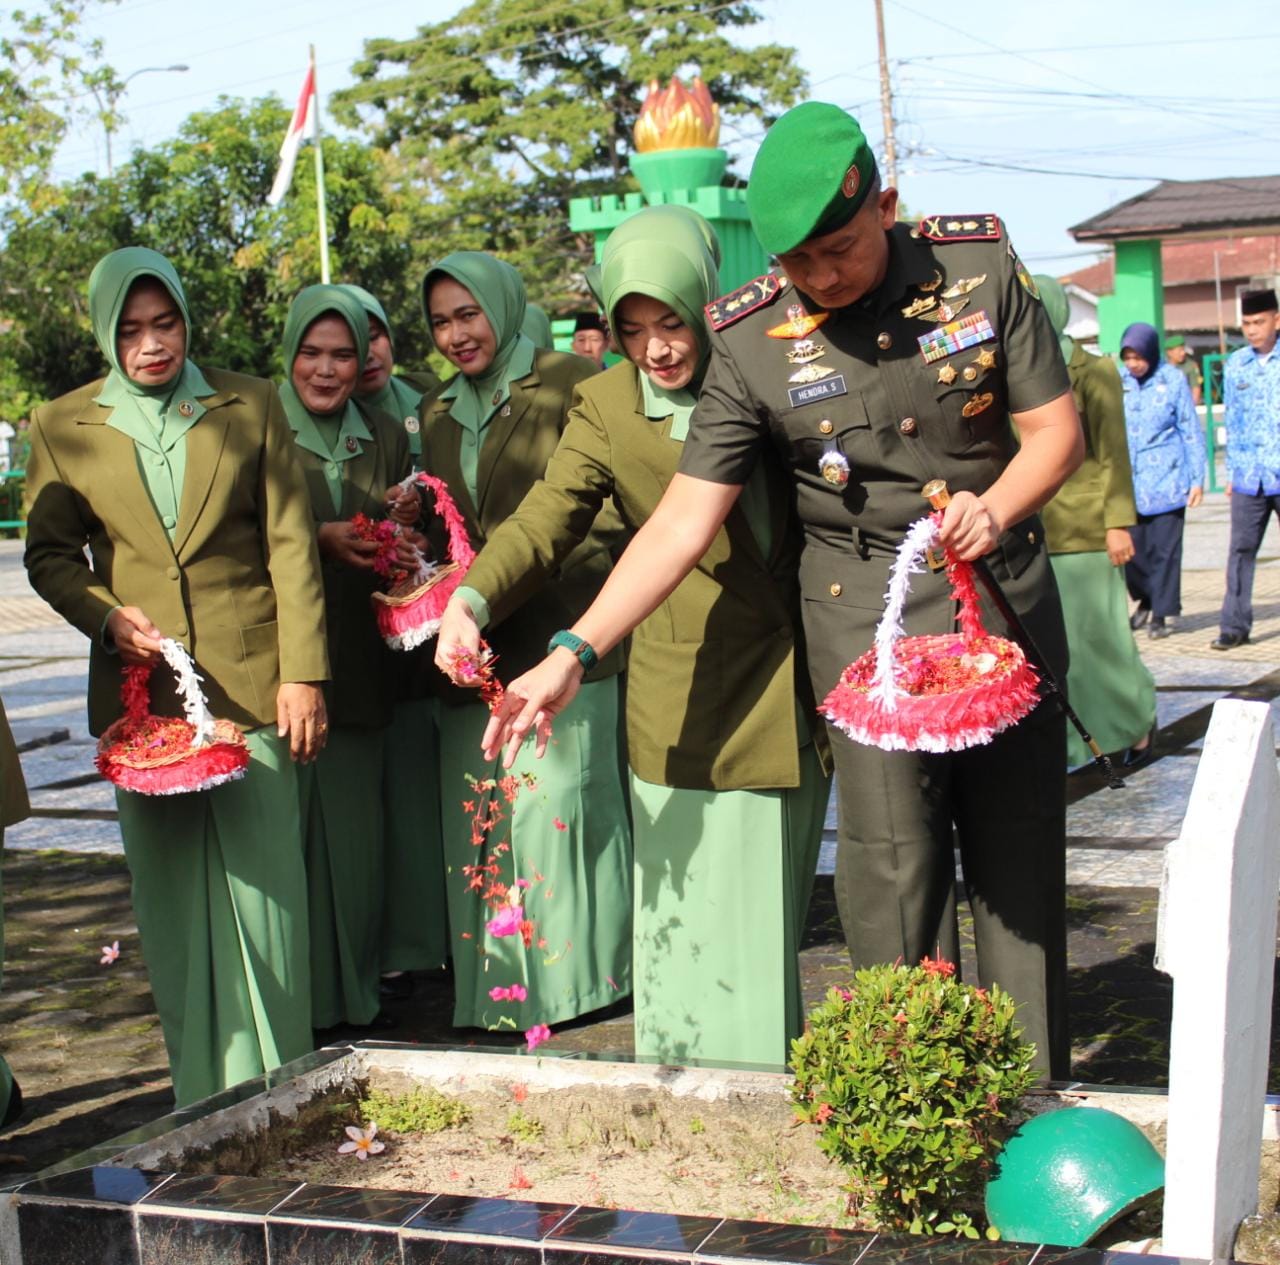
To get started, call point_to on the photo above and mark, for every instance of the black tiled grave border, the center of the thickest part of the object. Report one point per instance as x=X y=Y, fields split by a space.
x=123 y=1216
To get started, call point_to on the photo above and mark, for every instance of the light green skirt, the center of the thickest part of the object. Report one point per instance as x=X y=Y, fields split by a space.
x=579 y=876
x=723 y=880
x=342 y=829
x=220 y=892
x=1108 y=685
x=415 y=932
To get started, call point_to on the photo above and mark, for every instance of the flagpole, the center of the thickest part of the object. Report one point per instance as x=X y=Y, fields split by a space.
x=320 y=207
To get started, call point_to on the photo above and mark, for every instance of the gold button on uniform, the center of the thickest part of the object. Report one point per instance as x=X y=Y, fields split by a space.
x=969 y=373
x=836 y=589
x=907 y=426
x=884 y=341
x=825 y=426
x=1031 y=538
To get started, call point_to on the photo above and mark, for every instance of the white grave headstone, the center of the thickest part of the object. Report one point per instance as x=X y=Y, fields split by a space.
x=1217 y=938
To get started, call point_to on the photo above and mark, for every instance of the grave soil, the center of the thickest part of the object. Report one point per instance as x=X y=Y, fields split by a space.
x=605 y=1147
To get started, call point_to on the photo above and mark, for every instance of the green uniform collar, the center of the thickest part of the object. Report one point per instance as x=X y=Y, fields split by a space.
x=156 y=422
x=352 y=435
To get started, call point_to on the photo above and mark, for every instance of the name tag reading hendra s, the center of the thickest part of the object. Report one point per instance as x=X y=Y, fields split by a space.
x=814 y=391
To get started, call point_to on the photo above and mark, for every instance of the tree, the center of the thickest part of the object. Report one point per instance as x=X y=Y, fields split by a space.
x=200 y=199
x=48 y=76
x=504 y=112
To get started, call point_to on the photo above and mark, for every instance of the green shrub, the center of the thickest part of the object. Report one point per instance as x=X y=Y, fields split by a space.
x=418 y=1111
x=524 y=1128
x=909 y=1077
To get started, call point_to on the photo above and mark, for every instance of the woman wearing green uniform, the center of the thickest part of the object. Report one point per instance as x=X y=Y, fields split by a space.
x=351 y=455
x=414 y=921
x=727 y=787
x=13 y=809
x=1086 y=528
x=183 y=485
x=489 y=433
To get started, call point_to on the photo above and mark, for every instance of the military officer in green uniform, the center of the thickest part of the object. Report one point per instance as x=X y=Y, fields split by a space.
x=882 y=356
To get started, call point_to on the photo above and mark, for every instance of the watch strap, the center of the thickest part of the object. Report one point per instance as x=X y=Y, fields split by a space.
x=580 y=647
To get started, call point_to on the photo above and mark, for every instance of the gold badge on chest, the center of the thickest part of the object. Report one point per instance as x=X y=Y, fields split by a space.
x=978 y=404
x=799 y=323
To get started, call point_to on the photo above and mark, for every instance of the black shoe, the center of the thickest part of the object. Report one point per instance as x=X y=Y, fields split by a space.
x=1135 y=757
x=1139 y=617
x=1229 y=641
x=1160 y=628
x=396 y=986
x=14 y=1109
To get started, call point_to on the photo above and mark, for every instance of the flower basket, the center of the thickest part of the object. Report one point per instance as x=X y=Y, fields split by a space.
x=943 y=692
x=409 y=613
x=169 y=755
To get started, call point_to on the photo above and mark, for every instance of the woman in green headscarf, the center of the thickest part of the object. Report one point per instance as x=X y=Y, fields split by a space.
x=414 y=921
x=183 y=485
x=1086 y=528
x=537 y=327
x=489 y=433
x=728 y=790
x=351 y=455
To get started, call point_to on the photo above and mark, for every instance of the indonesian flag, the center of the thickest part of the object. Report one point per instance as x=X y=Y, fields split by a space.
x=301 y=126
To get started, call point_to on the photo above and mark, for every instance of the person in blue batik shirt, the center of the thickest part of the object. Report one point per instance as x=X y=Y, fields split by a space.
x=1251 y=393
x=1166 y=449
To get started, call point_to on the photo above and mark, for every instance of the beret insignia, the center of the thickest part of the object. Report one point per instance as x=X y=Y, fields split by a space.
x=737 y=303
x=960 y=228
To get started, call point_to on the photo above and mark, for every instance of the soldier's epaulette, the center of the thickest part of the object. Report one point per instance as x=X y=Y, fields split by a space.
x=733 y=306
x=960 y=228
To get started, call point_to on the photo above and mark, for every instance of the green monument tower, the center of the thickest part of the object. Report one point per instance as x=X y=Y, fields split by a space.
x=677 y=160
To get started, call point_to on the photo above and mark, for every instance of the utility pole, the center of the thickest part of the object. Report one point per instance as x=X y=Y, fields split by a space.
x=886 y=104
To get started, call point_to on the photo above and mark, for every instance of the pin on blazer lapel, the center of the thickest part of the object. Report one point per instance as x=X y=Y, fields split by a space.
x=205 y=443
x=502 y=426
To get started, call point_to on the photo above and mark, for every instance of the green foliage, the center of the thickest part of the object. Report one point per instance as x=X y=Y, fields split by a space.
x=910 y=1076
x=524 y=1128
x=696 y=1125
x=510 y=108
x=417 y=1111
x=49 y=75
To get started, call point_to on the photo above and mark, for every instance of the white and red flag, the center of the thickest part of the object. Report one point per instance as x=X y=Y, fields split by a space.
x=303 y=125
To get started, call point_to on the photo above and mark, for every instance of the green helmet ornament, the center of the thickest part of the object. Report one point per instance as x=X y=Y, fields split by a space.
x=1065 y=1176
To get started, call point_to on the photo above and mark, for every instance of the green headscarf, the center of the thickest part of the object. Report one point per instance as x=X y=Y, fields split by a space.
x=537 y=327
x=109 y=284
x=669 y=253
x=396 y=398
x=1058 y=309
x=311 y=304
x=496 y=286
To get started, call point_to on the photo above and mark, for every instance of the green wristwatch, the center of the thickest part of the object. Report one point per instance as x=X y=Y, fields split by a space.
x=579 y=646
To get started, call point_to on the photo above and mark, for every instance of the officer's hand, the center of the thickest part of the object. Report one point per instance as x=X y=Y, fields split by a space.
x=301 y=717
x=1195 y=497
x=969 y=529
x=529 y=703
x=458 y=631
x=135 y=636
x=403 y=505
x=1119 y=546
x=340 y=542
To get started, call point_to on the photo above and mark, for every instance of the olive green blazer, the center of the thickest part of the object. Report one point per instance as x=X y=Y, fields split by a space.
x=13 y=790
x=514 y=451
x=714 y=674
x=360 y=692
x=1100 y=494
x=239 y=584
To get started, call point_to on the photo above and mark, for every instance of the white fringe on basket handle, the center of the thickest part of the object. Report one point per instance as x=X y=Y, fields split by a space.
x=194 y=704
x=425 y=568
x=920 y=535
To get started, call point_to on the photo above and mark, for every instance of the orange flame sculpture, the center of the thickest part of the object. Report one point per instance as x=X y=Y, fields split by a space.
x=677 y=118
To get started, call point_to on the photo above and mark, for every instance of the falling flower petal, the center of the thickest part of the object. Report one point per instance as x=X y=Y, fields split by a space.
x=109 y=953
x=537 y=1035
x=558 y=824
x=506 y=922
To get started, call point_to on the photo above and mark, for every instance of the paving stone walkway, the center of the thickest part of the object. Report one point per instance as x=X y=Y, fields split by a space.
x=84 y=1039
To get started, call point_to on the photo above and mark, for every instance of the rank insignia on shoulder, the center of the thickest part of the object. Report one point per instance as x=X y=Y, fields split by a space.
x=733 y=306
x=961 y=228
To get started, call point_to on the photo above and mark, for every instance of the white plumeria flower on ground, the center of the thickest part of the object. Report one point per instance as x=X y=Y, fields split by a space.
x=363 y=1142
x=109 y=953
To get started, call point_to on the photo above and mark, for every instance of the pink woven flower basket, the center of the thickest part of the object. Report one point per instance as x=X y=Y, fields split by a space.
x=169 y=755
x=942 y=692
x=409 y=613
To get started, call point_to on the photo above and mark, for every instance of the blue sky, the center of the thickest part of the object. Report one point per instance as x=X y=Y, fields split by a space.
x=992 y=100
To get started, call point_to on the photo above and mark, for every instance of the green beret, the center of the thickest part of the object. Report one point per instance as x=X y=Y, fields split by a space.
x=1175 y=340
x=813 y=171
